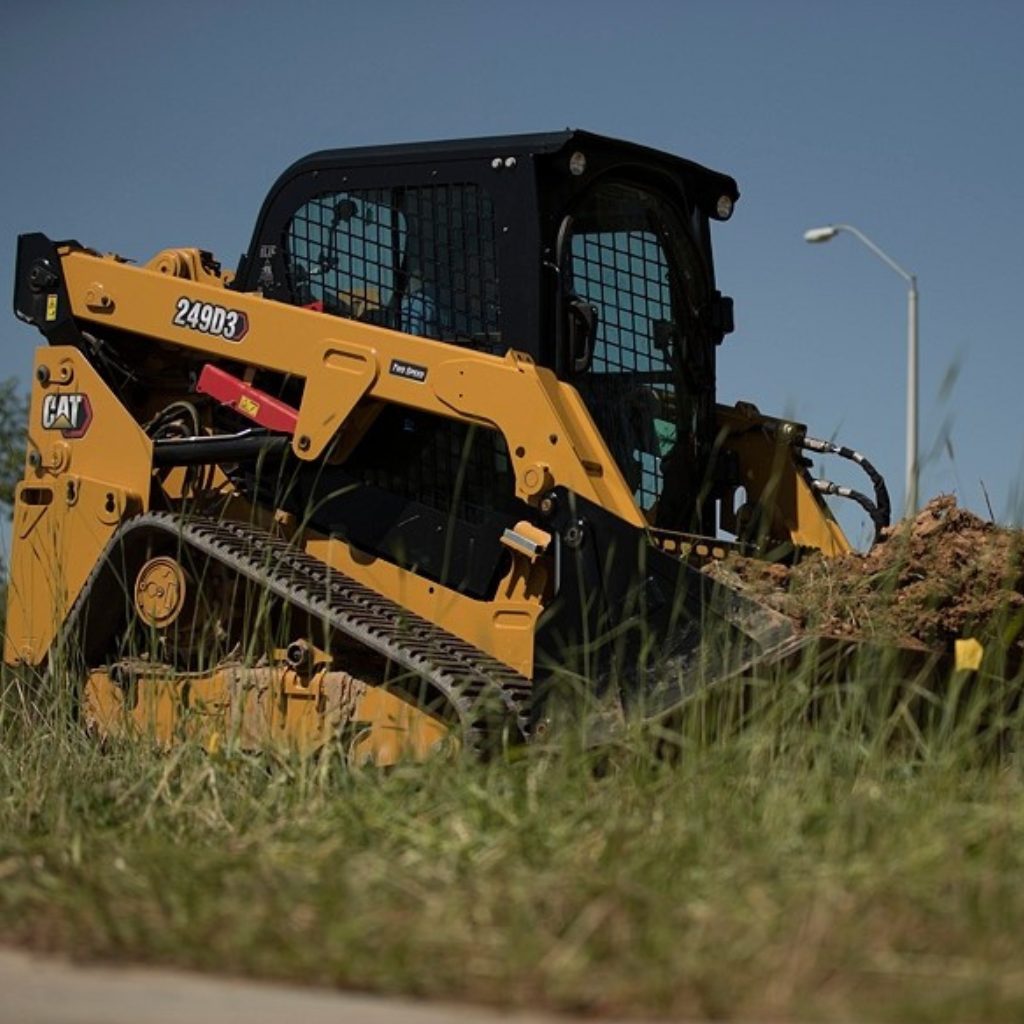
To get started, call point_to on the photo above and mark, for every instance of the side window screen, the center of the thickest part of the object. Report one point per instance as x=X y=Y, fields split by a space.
x=344 y=251
x=418 y=260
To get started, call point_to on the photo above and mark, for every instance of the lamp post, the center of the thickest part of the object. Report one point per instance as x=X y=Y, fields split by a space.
x=825 y=234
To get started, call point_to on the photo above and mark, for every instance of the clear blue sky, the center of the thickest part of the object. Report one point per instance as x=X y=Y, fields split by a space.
x=136 y=126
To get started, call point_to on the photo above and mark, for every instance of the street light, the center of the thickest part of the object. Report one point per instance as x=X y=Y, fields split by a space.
x=829 y=232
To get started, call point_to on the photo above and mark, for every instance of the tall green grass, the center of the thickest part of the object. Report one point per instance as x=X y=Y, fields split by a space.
x=787 y=847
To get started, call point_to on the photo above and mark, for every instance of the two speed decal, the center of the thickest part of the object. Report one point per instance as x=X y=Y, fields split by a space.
x=208 y=318
x=410 y=371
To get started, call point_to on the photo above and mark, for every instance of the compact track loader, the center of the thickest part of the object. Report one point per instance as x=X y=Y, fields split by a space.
x=445 y=445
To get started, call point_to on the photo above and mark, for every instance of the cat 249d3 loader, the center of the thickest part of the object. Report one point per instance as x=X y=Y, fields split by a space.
x=445 y=442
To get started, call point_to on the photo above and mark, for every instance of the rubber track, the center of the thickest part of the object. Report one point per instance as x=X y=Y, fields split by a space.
x=488 y=696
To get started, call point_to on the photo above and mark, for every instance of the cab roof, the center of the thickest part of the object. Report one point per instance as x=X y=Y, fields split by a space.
x=709 y=182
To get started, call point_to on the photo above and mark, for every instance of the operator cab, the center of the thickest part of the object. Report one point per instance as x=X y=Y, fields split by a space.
x=591 y=255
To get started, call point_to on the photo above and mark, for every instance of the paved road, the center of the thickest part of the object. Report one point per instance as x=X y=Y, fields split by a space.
x=43 y=990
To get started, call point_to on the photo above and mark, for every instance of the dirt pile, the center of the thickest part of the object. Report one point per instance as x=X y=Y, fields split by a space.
x=945 y=574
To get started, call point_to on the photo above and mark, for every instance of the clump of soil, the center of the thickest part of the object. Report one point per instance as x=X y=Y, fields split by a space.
x=944 y=575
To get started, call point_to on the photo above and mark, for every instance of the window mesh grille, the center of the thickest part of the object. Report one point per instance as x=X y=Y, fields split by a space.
x=448 y=465
x=421 y=260
x=625 y=275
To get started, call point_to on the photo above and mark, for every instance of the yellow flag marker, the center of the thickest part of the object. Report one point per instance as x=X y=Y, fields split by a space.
x=968 y=655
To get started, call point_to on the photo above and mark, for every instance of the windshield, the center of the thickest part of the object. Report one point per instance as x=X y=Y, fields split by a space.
x=650 y=381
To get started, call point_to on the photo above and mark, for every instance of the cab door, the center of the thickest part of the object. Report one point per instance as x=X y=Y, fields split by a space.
x=633 y=340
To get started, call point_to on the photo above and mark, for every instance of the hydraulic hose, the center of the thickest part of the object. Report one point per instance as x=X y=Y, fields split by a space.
x=199 y=451
x=880 y=510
